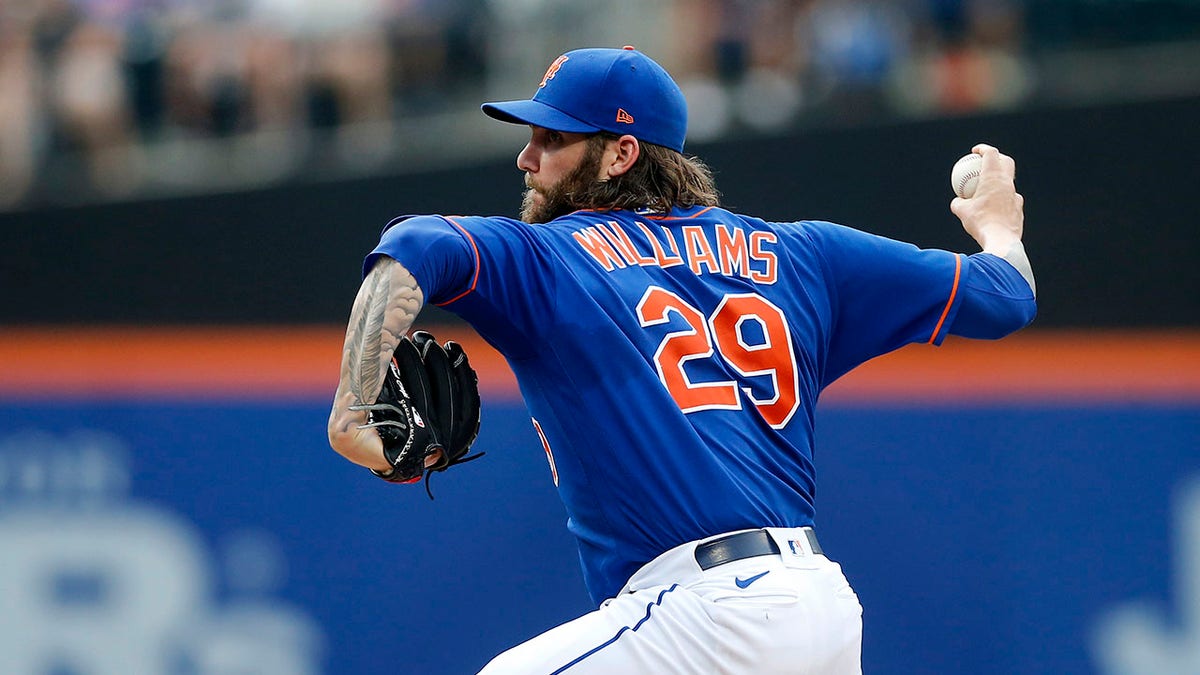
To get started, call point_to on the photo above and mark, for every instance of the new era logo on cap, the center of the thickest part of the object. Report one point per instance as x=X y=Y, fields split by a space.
x=590 y=90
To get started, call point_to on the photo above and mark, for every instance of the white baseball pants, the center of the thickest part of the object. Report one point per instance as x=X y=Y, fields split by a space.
x=792 y=612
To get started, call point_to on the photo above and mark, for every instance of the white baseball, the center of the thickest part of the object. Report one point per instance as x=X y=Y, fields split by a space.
x=964 y=178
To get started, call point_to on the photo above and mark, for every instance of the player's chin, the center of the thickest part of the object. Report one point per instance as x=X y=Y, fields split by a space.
x=533 y=207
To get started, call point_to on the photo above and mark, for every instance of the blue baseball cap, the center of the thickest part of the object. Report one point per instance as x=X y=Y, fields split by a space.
x=621 y=91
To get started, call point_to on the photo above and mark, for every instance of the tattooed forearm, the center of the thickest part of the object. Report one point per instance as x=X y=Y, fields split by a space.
x=365 y=342
x=386 y=306
x=385 y=309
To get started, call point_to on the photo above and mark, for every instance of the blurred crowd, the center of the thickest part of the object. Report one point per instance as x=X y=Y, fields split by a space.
x=768 y=65
x=88 y=86
x=89 y=78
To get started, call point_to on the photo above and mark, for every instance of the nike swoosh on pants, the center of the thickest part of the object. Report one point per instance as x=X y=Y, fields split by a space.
x=745 y=583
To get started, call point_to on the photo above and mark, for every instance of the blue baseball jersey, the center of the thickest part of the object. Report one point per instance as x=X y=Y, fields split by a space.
x=672 y=363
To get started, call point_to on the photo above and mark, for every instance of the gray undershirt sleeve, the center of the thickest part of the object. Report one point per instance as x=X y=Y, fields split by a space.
x=1018 y=259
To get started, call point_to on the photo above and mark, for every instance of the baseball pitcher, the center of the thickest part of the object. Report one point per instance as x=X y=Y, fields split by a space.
x=671 y=354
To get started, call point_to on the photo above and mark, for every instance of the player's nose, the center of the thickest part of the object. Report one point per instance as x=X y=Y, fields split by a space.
x=527 y=159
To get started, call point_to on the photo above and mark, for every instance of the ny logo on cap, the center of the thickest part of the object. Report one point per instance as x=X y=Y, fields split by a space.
x=553 y=70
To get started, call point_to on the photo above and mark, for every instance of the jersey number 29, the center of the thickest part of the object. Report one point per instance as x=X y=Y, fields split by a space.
x=723 y=334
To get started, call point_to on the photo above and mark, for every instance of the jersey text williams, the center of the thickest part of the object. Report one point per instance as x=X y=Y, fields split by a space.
x=725 y=250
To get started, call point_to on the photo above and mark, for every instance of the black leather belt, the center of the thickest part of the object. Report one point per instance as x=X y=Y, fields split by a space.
x=743 y=545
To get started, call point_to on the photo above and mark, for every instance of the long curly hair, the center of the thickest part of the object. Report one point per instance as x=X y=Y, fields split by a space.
x=659 y=179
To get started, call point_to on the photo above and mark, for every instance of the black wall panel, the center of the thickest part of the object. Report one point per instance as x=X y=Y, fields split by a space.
x=1112 y=221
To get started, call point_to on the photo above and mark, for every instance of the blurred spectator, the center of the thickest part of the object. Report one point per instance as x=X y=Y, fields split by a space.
x=274 y=72
x=19 y=131
x=84 y=93
x=854 y=46
x=144 y=61
x=333 y=58
x=971 y=59
x=740 y=63
x=438 y=48
x=208 y=72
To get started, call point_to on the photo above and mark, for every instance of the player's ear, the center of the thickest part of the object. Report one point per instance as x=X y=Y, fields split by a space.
x=623 y=153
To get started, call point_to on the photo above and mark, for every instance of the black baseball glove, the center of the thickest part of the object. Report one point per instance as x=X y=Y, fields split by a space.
x=429 y=404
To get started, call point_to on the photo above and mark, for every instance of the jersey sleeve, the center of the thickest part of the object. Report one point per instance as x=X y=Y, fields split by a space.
x=439 y=256
x=996 y=300
x=494 y=272
x=884 y=294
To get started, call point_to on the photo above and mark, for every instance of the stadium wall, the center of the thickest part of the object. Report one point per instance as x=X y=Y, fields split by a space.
x=168 y=504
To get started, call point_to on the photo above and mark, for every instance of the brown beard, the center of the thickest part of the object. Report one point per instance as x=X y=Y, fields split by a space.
x=567 y=195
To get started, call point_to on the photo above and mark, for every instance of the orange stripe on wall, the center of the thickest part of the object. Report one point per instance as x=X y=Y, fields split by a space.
x=1036 y=367
x=277 y=363
x=240 y=363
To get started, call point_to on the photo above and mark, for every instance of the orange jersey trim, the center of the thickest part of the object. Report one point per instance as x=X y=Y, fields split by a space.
x=694 y=215
x=949 y=303
x=475 y=278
